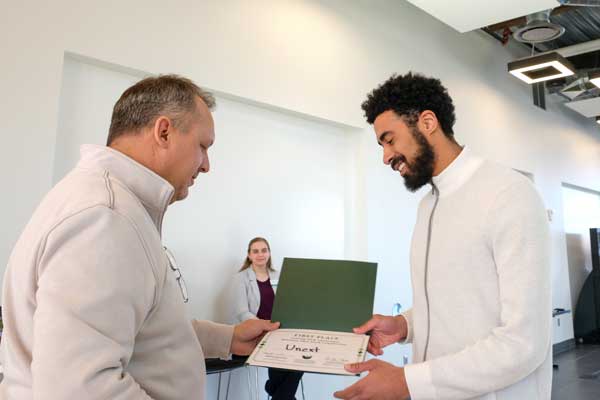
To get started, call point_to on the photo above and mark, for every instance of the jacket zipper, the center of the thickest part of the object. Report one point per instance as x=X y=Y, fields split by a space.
x=436 y=193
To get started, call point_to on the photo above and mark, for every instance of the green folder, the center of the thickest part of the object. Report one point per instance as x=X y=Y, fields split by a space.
x=328 y=295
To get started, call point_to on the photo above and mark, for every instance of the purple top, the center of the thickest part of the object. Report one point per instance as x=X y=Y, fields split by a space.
x=267 y=296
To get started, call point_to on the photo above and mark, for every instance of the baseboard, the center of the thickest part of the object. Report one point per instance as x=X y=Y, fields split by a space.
x=561 y=347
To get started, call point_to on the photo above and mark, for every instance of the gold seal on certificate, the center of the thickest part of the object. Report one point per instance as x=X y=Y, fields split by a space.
x=310 y=350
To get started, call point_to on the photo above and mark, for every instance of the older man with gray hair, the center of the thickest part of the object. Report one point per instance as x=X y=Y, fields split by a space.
x=93 y=303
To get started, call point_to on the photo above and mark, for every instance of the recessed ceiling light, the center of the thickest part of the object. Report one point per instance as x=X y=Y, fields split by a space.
x=543 y=67
x=594 y=78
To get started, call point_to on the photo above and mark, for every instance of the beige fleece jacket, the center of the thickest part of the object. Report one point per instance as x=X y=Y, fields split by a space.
x=91 y=307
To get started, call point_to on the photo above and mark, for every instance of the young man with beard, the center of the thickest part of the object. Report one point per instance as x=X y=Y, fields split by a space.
x=480 y=324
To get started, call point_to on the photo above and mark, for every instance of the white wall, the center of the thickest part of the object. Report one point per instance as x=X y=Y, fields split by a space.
x=272 y=174
x=87 y=96
x=581 y=212
x=316 y=58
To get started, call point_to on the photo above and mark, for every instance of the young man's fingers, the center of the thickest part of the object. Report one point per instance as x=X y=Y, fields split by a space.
x=349 y=393
x=375 y=350
x=357 y=368
x=367 y=326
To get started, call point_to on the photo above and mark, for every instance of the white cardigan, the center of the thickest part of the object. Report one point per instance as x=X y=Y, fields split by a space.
x=487 y=287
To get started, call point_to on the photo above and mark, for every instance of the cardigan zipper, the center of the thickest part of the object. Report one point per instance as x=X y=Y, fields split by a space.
x=436 y=193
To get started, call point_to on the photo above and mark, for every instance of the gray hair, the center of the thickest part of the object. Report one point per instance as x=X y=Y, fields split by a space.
x=140 y=105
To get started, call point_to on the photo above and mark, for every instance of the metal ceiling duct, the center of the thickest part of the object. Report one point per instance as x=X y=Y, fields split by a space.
x=582 y=3
x=577 y=88
x=580 y=44
x=538 y=29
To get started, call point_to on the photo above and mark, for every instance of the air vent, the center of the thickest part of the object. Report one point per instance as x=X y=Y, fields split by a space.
x=538 y=29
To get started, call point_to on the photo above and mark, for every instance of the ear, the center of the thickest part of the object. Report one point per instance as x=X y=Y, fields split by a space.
x=428 y=122
x=162 y=131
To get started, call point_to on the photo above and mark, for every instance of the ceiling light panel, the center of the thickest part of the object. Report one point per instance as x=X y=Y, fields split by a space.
x=595 y=78
x=541 y=68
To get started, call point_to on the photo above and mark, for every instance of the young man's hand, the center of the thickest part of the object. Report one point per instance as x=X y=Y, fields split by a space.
x=385 y=381
x=384 y=330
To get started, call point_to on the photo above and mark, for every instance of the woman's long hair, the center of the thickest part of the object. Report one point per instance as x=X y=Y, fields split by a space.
x=248 y=263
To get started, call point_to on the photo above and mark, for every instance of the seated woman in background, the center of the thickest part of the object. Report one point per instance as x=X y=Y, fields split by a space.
x=254 y=299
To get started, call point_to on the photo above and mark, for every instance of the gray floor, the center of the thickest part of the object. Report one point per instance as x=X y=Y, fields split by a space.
x=578 y=374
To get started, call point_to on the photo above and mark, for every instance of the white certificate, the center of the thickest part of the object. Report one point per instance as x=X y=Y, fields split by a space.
x=310 y=350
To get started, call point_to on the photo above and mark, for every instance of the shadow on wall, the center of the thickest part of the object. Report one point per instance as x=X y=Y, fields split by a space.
x=224 y=304
x=579 y=263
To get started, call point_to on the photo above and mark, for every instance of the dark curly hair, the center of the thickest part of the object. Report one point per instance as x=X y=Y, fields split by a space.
x=409 y=95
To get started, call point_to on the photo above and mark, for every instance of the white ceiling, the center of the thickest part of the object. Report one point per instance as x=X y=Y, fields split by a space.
x=467 y=15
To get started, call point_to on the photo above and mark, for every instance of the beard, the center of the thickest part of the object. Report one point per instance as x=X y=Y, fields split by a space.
x=420 y=170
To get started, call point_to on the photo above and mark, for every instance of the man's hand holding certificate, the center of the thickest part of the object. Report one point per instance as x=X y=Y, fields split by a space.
x=309 y=350
x=318 y=303
x=383 y=377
